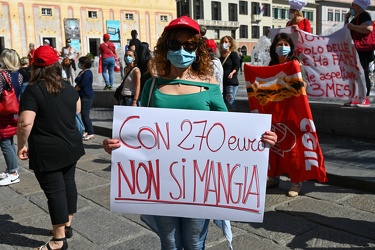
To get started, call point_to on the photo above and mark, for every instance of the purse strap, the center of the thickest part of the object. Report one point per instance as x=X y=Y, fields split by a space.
x=110 y=50
x=5 y=75
x=226 y=58
x=151 y=91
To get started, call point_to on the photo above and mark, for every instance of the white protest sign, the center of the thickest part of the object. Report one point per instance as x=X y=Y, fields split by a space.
x=333 y=69
x=189 y=163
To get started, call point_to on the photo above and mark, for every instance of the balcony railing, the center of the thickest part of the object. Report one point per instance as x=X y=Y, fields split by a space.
x=256 y=18
x=218 y=23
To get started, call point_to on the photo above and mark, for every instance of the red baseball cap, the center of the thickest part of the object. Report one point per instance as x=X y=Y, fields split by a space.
x=183 y=22
x=106 y=36
x=211 y=45
x=45 y=56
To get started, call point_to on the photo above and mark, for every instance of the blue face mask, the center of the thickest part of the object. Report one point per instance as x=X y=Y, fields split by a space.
x=68 y=44
x=352 y=12
x=129 y=59
x=181 y=58
x=79 y=66
x=282 y=50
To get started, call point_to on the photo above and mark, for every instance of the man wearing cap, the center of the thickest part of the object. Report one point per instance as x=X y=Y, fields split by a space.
x=46 y=42
x=72 y=54
x=296 y=17
x=361 y=25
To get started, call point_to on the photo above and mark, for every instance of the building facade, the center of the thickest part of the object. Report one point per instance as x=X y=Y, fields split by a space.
x=85 y=21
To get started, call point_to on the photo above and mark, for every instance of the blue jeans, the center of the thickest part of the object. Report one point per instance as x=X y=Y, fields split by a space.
x=127 y=101
x=24 y=85
x=108 y=65
x=10 y=155
x=178 y=233
x=229 y=95
x=86 y=105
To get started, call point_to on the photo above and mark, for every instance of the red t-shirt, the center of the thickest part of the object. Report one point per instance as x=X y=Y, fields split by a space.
x=107 y=49
x=304 y=25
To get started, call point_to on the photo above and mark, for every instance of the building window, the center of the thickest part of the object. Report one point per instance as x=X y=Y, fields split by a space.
x=93 y=14
x=343 y=14
x=243 y=31
x=163 y=18
x=284 y=14
x=129 y=16
x=310 y=15
x=275 y=13
x=337 y=16
x=46 y=12
x=198 y=9
x=255 y=32
x=266 y=30
x=255 y=8
x=266 y=9
x=330 y=15
x=243 y=8
x=233 y=12
x=216 y=34
x=216 y=10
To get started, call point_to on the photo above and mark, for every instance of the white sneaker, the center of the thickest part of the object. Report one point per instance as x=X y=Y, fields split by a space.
x=10 y=179
x=3 y=175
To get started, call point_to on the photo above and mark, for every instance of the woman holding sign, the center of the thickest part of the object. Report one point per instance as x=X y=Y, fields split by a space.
x=281 y=51
x=296 y=17
x=186 y=82
x=360 y=26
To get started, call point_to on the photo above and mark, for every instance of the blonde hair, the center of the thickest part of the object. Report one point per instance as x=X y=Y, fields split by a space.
x=10 y=60
x=233 y=46
x=24 y=61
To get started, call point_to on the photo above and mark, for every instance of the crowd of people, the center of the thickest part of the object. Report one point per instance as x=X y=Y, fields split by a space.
x=185 y=67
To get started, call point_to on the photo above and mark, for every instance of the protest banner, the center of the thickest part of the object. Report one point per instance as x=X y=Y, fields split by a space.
x=279 y=90
x=333 y=69
x=189 y=163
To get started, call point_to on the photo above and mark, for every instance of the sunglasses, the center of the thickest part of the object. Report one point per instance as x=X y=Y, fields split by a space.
x=176 y=45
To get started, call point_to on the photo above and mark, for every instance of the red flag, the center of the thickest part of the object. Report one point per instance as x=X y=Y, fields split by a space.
x=279 y=90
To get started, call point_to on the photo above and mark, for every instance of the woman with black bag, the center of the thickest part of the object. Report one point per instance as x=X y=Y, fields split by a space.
x=128 y=93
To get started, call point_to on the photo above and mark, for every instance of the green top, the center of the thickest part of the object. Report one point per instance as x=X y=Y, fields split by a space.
x=208 y=99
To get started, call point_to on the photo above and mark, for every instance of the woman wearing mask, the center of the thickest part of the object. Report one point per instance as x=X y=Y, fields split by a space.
x=186 y=82
x=231 y=64
x=281 y=51
x=47 y=135
x=360 y=25
x=10 y=64
x=296 y=17
x=84 y=82
x=131 y=85
x=107 y=51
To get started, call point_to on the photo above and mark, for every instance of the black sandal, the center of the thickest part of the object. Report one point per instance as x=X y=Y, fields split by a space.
x=68 y=232
x=64 y=246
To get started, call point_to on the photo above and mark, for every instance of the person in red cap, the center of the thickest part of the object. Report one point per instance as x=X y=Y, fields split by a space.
x=185 y=81
x=107 y=52
x=218 y=70
x=47 y=125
